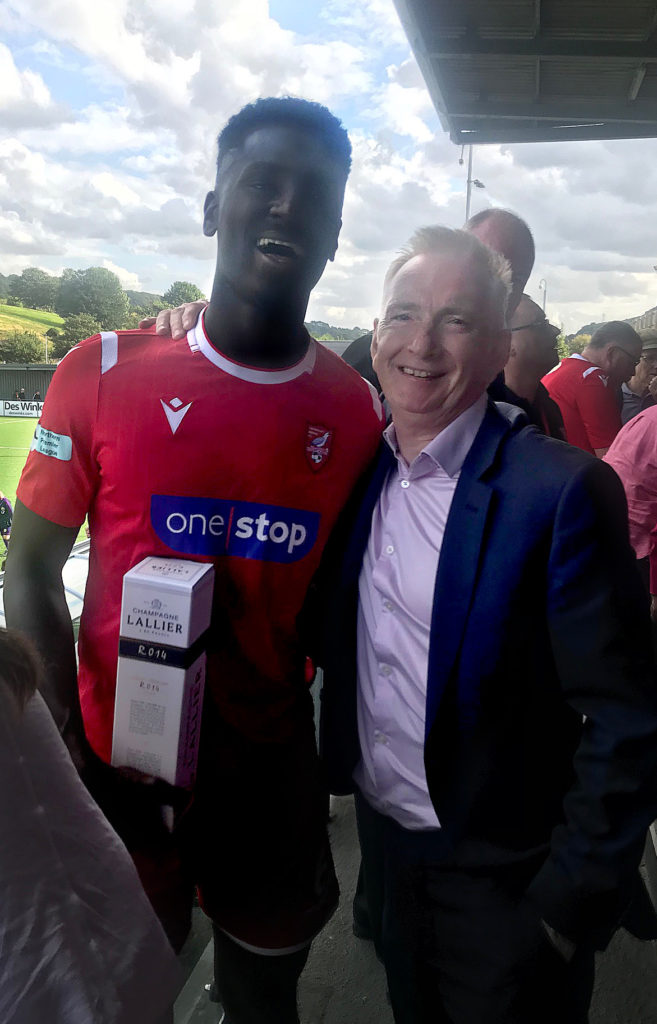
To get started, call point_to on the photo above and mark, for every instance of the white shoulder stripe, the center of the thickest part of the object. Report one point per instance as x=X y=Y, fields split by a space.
x=376 y=401
x=109 y=341
x=591 y=369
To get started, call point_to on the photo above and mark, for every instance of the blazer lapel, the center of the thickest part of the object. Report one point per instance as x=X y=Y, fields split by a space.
x=362 y=524
x=460 y=557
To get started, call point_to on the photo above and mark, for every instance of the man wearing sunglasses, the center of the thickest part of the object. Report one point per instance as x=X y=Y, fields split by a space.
x=586 y=387
x=532 y=354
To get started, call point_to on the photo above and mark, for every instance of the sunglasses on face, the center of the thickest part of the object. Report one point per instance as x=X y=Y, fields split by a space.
x=541 y=322
x=635 y=359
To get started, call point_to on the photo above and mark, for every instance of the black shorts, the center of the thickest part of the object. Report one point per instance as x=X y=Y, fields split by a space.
x=256 y=836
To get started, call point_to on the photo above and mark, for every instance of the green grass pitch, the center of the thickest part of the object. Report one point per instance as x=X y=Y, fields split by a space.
x=15 y=439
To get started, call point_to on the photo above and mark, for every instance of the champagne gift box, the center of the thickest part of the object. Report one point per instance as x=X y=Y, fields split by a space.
x=165 y=614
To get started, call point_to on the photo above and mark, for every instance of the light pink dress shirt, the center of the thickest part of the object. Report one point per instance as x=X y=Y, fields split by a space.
x=633 y=455
x=394 y=616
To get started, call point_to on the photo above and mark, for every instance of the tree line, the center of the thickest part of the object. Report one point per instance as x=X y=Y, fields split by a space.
x=94 y=300
x=89 y=301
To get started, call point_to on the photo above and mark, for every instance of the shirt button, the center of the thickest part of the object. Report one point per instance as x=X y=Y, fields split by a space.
x=405 y=484
x=385 y=670
x=390 y=550
x=389 y=606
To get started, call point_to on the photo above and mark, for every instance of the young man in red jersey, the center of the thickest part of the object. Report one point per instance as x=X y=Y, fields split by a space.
x=238 y=444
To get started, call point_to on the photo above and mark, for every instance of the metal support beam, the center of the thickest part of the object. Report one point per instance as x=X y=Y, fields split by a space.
x=498 y=132
x=543 y=46
x=637 y=82
x=537 y=17
x=565 y=110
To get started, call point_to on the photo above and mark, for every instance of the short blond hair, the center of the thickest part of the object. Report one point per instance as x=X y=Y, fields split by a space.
x=454 y=242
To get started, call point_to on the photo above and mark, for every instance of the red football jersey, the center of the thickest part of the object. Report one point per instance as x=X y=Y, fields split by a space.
x=173 y=449
x=588 y=403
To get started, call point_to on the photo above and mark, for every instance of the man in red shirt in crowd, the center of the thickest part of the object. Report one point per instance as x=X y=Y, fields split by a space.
x=238 y=444
x=586 y=386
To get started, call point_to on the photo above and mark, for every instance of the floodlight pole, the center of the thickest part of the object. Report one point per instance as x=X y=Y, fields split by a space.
x=468 y=193
x=542 y=284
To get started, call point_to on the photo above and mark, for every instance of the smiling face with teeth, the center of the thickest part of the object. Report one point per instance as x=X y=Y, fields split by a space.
x=276 y=212
x=439 y=343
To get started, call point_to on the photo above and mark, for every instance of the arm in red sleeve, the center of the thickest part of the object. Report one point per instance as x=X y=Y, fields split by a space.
x=54 y=493
x=599 y=409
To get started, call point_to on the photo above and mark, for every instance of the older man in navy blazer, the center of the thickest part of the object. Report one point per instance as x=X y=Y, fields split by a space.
x=489 y=690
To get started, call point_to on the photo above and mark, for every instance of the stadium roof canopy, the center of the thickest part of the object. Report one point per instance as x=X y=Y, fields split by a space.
x=537 y=70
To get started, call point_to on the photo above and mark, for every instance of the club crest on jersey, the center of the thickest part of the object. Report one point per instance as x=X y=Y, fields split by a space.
x=318 y=445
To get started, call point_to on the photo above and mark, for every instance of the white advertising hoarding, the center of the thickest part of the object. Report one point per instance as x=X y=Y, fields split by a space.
x=21 y=408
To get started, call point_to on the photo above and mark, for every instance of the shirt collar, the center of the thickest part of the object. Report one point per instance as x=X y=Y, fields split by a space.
x=449 y=448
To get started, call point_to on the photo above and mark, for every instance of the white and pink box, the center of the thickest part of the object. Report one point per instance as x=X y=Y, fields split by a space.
x=165 y=613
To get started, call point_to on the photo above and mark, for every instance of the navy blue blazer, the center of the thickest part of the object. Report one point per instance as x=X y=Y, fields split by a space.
x=541 y=713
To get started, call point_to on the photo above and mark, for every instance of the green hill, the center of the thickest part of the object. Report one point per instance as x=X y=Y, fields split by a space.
x=139 y=299
x=17 y=318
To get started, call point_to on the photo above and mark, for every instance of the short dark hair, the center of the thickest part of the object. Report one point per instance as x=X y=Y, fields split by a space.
x=614 y=330
x=512 y=220
x=20 y=667
x=292 y=111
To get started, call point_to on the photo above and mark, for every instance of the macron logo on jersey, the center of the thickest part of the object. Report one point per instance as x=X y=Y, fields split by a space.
x=242 y=529
x=174 y=413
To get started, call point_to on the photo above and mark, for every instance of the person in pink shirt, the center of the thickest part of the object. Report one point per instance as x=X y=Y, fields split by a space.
x=634 y=457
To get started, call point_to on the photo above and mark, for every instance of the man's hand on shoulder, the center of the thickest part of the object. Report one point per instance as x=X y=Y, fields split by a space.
x=175 y=322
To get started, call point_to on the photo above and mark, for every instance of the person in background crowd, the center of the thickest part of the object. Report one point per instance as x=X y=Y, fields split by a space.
x=21 y=394
x=509 y=235
x=36 y=397
x=251 y=424
x=80 y=941
x=488 y=678
x=358 y=355
x=6 y=516
x=533 y=352
x=586 y=387
x=640 y=391
x=16 y=395
x=500 y=230
x=633 y=455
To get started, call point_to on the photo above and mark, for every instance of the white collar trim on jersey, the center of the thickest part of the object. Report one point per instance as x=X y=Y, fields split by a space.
x=198 y=342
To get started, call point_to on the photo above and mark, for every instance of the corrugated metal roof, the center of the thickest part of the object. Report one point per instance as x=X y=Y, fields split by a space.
x=537 y=70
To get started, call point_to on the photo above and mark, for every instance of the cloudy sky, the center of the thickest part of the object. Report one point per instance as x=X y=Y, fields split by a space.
x=109 y=110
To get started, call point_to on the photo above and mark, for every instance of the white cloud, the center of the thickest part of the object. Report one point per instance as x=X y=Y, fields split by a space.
x=123 y=179
x=126 y=277
x=24 y=97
